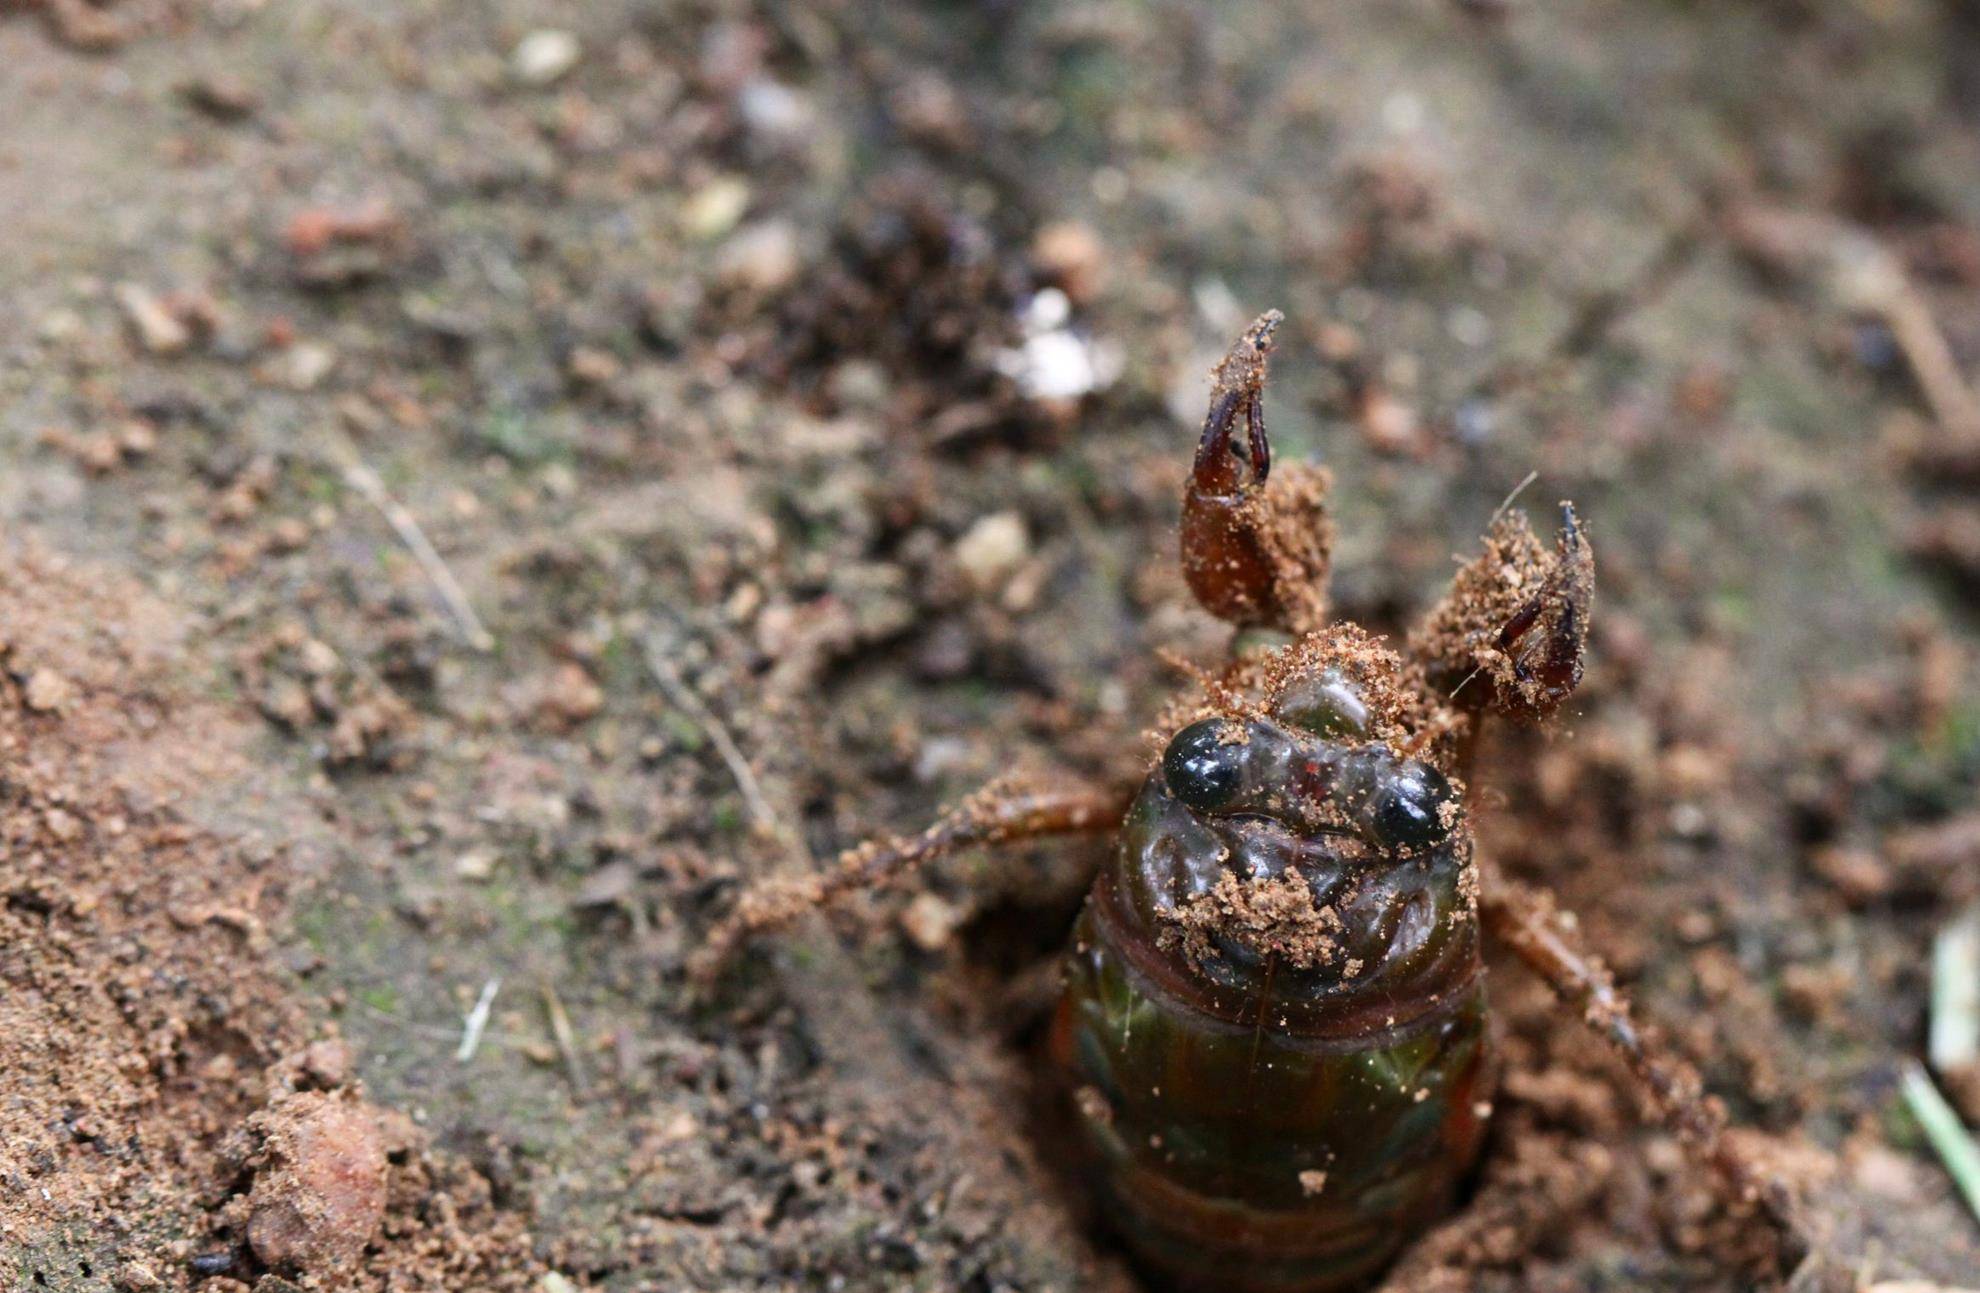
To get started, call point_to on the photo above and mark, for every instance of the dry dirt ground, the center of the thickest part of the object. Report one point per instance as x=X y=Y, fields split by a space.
x=817 y=379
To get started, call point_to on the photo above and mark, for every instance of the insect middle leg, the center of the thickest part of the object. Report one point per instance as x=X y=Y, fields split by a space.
x=998 y=814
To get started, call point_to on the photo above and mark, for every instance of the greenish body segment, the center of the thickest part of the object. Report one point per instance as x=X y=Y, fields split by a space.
x=1276 y=1099
x=1247 y=1159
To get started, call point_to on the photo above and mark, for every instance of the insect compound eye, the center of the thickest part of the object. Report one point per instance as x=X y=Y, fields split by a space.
x=1326 y=703
x=1202 y=768
x=1410 y=807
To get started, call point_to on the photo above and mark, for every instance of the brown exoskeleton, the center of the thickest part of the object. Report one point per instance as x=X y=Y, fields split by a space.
x=1273 y=1021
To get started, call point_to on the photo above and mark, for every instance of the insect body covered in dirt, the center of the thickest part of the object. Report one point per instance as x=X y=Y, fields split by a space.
x=1274 y=1016
x=1273 y=1027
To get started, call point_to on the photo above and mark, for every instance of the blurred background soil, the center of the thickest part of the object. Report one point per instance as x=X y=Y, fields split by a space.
x=806 y=388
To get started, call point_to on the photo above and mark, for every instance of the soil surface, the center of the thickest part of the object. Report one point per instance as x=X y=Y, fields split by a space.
x=484 y=481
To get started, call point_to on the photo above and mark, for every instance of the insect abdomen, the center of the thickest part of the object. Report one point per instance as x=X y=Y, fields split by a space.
x=1274 y=1014
x=1243 y=1159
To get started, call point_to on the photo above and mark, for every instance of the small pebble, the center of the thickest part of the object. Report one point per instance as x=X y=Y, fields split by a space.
x=992 y=548
x=773 y=109
x=715 y=208
x=137 y=438
x=544 y=56
x=307 y=364
x=1072 y=256
x=570 y=696
x=157 y=328
x=589 y=366
x=475 y=865
x=136 y=1275
x=326 y=1062
x=47 y=692
x=221 y=96
x=320 y=1197
x=318 y=658
x=930 y=921
x=760 y=258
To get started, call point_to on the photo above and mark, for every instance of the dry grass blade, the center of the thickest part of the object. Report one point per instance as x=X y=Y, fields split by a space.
x=1948 y=1135
x=477 y=1021
x=1953 y=1040
x=566 y=1038
x=366 y=482
x=682 y=697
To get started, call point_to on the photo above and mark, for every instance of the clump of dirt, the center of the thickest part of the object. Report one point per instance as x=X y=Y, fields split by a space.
x=154 y=1046
x=909 y=304
x=303 y=686
x=1270 y=917
x=98 y=28
x=319 y=1183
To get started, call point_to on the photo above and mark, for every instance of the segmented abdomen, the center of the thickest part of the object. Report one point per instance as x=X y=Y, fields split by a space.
x=1278 y=1103
x=1237 y=1158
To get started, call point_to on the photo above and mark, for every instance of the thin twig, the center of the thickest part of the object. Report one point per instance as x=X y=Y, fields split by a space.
x=1925 y=348
x=1868 y=277
x=1517 y=490
x=366 y=482
x=1943 y=1128
x=683 y=698
x=560 y=1028
x=477 y=1021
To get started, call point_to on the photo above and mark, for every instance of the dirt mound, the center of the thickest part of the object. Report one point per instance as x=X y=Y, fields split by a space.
x=147 y=1024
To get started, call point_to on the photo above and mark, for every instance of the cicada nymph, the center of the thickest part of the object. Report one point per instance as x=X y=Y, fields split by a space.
x=1273 y=1024
x=1274 y=1016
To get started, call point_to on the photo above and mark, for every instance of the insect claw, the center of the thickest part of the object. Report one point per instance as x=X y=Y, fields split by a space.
x=1569 y=589
x=1237 y=390
x=1253 y=555
x=1216 y=469
x=1261 y=448
x=1525 y=632
x=1244 y=365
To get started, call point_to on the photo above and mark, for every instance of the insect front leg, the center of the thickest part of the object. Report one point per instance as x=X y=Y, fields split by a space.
x=1510 y=635
x=1255 y=546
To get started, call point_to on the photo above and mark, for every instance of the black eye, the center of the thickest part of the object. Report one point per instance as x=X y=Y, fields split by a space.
x=1410 y=807
x=1201 y=767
